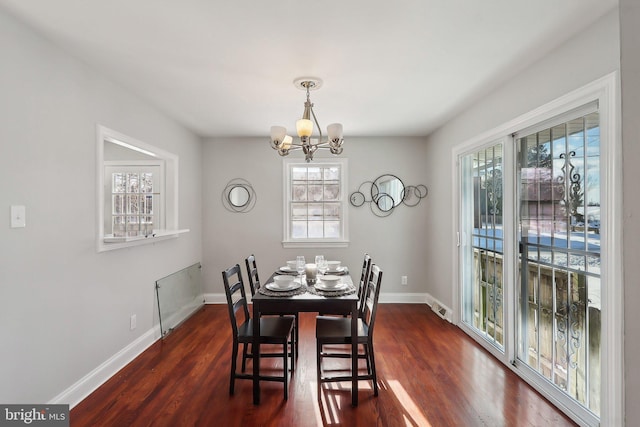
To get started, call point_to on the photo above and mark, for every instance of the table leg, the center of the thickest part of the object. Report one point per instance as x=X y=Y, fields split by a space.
x=255 y=348
x=354 y=353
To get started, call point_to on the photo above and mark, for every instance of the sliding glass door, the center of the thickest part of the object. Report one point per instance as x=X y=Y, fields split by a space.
x=482 y=243
x=558 y=222
x=529 y=253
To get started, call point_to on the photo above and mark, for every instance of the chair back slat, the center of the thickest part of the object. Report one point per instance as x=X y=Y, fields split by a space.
x=252 y=274
x=236 y=296
x=364 y=279
x=370 y=305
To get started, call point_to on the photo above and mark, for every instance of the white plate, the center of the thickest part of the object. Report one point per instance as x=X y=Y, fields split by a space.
x=293 y=286
x=337 y=270
x=287 y=269
x=338 y=287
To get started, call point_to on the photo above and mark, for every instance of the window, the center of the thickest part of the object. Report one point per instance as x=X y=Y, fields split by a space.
x=133 y=199
x=137 y=191
x=315 y=203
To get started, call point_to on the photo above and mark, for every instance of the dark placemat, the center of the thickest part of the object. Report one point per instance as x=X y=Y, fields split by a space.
x=301 y=290
x=350 y=289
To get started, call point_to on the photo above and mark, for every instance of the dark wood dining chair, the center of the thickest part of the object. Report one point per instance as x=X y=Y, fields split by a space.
x=254 y=285
x=337 y=330
x=273 y=330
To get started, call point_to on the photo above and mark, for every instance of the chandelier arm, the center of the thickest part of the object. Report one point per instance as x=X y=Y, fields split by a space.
x=315 y=119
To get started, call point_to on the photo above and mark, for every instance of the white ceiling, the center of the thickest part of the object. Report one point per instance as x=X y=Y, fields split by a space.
x=225 y=68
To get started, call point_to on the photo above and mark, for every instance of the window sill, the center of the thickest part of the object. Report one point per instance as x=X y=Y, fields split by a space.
x=110 y=242
x=315 y=244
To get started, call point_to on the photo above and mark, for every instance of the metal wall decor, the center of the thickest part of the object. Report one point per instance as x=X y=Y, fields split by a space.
x=238 y=196
x=387 y=192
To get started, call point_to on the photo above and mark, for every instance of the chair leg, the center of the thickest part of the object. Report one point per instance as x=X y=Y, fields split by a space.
x=373 y=368
x=318 y=365
x=297 y=335
x=366 y=358
x=244 y=356
x=234 y=356
x=294 y=354
x=285 y=352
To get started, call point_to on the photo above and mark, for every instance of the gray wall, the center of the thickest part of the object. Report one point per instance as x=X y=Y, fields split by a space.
x=64 y=308
x=587 y=57
x=398 y=243
x=630 y=77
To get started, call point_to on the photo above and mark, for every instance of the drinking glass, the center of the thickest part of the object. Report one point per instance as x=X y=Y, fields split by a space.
x=322 y=264
x=300 y=262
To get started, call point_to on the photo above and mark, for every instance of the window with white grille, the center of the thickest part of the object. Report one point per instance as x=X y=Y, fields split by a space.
x=133 y=207
x=315 y=203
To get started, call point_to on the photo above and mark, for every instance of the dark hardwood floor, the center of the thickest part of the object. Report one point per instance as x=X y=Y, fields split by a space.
x=429 y=372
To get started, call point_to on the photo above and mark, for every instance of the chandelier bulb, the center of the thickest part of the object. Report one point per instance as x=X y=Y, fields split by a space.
x=286 y=142
x=304 y=127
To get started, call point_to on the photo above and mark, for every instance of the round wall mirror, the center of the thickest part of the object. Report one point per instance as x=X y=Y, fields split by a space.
x=387 y=192
x=385 y=202
x=239 y=196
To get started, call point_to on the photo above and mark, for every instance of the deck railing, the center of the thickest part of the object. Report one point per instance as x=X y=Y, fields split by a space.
x=561 y=339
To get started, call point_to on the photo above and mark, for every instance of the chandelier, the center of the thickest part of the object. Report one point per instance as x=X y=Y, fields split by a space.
x=284 y=143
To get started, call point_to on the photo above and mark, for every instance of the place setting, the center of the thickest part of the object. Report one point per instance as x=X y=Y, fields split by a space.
x=326 y=278
x=335 y=268
x=294 y=267
x=284 y=285
x=330 y=285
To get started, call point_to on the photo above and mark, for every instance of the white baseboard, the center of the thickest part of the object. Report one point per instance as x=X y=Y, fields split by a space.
x=440 y=309
x=402 y=298
x=216 y=298
x=94 y=379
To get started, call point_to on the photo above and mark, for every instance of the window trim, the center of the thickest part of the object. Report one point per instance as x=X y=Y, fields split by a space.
x=170 y=160
x=287 y=241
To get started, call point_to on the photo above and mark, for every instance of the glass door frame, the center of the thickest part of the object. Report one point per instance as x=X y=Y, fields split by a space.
x=606 y=91
x=464 y=241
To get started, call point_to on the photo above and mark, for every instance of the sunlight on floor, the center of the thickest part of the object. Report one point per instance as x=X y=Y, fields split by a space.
x=413 y=415
x=314 y=392
x=328 y=409
x=334 y=396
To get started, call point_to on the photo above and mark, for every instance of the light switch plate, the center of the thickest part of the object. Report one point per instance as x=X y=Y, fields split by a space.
x=18 y=217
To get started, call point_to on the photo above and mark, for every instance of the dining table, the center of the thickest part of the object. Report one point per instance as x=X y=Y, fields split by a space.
x=308 y=297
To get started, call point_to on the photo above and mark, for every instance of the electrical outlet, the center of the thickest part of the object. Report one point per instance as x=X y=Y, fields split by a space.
x=133 y=322
x=403 y=280
x=18 y=216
